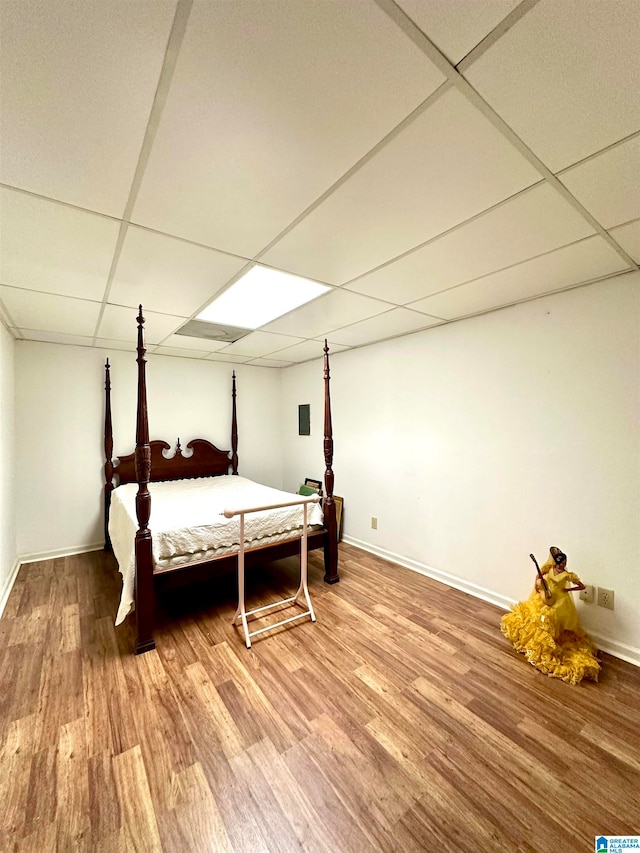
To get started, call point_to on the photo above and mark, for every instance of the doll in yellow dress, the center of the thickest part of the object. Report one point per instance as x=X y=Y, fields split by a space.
x=546 y=628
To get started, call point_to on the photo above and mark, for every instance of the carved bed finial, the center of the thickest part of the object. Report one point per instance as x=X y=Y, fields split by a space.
x=178 y=449
x=234 y=426
x=328 y=426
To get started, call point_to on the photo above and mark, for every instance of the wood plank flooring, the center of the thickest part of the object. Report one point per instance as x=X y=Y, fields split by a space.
x=399 y=722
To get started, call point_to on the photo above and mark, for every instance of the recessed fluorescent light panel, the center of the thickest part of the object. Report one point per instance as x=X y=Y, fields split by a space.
x=261 y=295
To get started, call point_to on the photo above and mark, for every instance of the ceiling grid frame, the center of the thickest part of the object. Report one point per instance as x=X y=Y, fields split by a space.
x=522 y=263
x=392 y=134
x=496 y=33
x=328 y=192
x=523 y=300
x=504 y=268
x=473 y=96
x=595 y=154
x=178 y=28
x=454 y=78
x=457 y=227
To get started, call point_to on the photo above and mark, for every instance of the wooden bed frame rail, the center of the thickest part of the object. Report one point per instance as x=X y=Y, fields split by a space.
x=149 y=463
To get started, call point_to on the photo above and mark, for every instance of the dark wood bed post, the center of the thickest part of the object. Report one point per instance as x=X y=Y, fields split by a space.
x=144 y=557
x=234 y=427
x=108 y=453
x=328 y=505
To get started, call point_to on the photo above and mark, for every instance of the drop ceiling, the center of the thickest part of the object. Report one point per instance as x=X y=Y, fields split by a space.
x=428 y=160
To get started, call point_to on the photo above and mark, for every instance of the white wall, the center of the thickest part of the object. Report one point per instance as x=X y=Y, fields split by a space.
x=473 y=443
x=60 y=412
x=478 y=442
x=8 y=551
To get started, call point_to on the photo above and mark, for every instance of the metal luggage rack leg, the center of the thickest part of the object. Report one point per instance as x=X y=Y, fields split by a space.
x=303 y=589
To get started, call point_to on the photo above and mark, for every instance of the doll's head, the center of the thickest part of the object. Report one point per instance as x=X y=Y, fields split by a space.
x=559 y=558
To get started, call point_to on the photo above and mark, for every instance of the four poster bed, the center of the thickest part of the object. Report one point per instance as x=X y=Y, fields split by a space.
x=190 y=493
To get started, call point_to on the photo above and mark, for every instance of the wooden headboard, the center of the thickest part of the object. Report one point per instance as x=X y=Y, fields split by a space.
x=205 y=460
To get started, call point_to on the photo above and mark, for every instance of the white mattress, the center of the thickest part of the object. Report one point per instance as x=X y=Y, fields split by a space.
x=187 y=523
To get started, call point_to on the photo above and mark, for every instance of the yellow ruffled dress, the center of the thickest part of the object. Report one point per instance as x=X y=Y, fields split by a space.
x=550 y=635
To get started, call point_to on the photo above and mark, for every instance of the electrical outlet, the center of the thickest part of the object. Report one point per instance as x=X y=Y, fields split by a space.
x=374 y=523
x=605 y=598
x=587 y=594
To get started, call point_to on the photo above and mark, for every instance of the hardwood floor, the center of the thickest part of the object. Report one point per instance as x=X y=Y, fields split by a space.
x=401 y=722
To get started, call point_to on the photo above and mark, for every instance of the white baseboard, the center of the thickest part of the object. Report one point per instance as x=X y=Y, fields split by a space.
x=618 y=650
x=435 y=574
x=606 y=644
x=60 y=552
x=34 y=558
x=8 y=585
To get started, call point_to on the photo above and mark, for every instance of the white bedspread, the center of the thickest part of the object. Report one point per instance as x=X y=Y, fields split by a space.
x=187 y=518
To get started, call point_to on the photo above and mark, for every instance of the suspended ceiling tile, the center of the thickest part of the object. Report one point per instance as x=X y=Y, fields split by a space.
x=536 y=221
x=307 y=350
x=609 y=185
x=103 y=343
x=169 y=275
x=186 y=342
x=332 y=311
x=571 y=265
x=53 y=248
x=566 y=77
x=449 y=164
x=234 y=359
x=457 y=27
x=269 y=105
x=77 y=82
x=57 y=338
x=50 y=313
x=119 y=323
x=398 y=321
x=628 y=236
x=258 y=344
x=176 y=351
x=268 y=362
